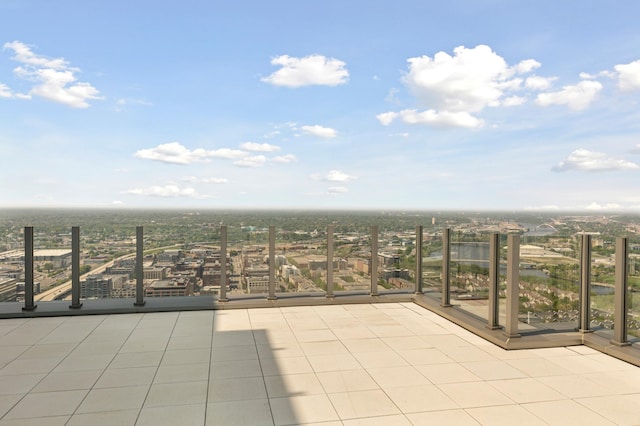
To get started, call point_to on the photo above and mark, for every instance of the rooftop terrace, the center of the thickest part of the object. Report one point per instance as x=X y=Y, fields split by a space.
x=347 y=364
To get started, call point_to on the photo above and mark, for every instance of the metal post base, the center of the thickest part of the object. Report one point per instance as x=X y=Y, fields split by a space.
x=29 y=308
x=139 y=303
x=78 y=306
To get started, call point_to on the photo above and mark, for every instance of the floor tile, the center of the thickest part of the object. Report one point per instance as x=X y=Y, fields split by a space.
x=620 y=409
x=367 y=403
x=173 y=415
x=109 y=418
x=391 y=377
x=237 y=389
x=182 y=373
x=117 y=377
x=346 y=381
x=47 y=404
x=71 y=380
x=293 y=384
x=302 y=409
x=19 y=384
x=566 y=413
x=114 y=399
x=395 y=420
x=180 y=393
x=505 y=415
x=413 y=399
x=240 y=413
x=474 y=394
x=446 y=373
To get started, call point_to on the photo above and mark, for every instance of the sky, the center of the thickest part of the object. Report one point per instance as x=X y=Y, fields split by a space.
x=395 y=105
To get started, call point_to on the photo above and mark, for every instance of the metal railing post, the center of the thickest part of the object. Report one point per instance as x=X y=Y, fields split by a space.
x=330 y=262
x=513 y=285
x=139 y=267
x=374 y=260
x=585 y=284
x=272 y=263
x=418 y=259
x=621 y=295
x=223 y=264
x=28 y=269
x=494 y=281
x=75 y=268
x=446 y=269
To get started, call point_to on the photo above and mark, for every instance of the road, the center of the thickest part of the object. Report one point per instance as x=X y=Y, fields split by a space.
x=56 y=291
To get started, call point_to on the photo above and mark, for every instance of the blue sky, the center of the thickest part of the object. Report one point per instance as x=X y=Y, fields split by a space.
x=463 y=105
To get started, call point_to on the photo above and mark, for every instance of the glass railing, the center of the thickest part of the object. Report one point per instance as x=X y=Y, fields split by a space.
x=549 y=283
x=548 y=276
x=470 y=272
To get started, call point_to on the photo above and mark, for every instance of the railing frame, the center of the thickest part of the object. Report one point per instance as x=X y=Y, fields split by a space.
x=513 y=285
x=139 y=267
x=585 y=284
x=75 y=268
x=446 y=268
x=493 y=308
x=418 y=260
x=621 y=294
x=29 y=304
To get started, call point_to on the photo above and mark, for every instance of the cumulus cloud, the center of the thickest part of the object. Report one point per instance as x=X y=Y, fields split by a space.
x=628 y=75
x=255 y=161
x=338 y=190
x=123 y=102
x=5 y=92
x=285 y=159
x=607 y=206
x=176 y=153
x=636 y=149
x=590 y=161
x=536 y=82
x=432 y=117
x=167 y=191
x=454 y=88
x=307 y=71
x=54 y=79
x=194 y=179
x=322 y=132
x=259 y=147
x=338 y=176
x=577 y=97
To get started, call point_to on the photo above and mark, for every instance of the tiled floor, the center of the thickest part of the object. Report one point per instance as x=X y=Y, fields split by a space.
x=383 y=364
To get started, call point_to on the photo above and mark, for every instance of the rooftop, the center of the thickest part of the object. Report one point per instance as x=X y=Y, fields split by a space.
x=348 y=364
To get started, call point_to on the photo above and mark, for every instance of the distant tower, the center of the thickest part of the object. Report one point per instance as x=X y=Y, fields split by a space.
x=433 y=220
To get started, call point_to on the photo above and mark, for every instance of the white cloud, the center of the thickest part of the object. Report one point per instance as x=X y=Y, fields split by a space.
x=576 y=97
x=194 y=179
x=536 y=82
x=338 y=176
x=121 y=103
x=590 y=161
x=432 y=117
x=5 y=92
x=513 y=101
x=176 y=153
x=607 y=206
x=322 y=132
x=628 y=75
x=54 y=79
x=338 y=190
x=167 y=191
x=636 y=149
x=455 y=88
x=285 y=159
x=259 y=147
x=308 y=71
x=469 y=81
x=256 y=161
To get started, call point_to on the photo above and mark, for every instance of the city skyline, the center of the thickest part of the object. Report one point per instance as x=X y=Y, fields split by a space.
x=403 y=105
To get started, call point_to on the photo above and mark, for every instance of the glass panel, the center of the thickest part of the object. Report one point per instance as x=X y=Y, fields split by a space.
x=633 y=315
x=549 y=281
x=603 y=287
x=432 y=261
x=470 y=272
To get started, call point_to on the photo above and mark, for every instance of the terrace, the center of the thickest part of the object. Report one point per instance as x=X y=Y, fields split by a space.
x=380 y=357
